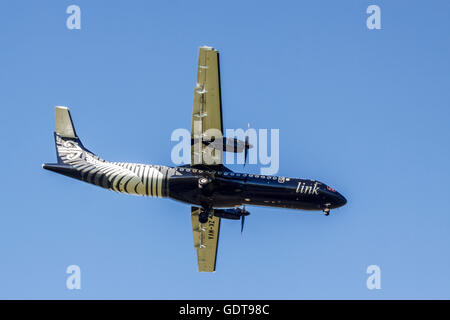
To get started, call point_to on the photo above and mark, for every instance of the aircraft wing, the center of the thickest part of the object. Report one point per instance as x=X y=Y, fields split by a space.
x=207 y=110
x=206 y=124
x=206 y=239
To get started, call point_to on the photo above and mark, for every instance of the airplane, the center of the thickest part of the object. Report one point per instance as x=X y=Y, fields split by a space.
x=213 y=191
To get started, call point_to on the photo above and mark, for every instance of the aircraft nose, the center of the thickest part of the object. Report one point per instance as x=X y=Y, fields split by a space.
x=340 y=200
x=333 y=198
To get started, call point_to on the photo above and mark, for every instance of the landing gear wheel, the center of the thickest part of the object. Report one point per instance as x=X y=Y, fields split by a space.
x=203 y=181
x=326 y=211
x=203 y=216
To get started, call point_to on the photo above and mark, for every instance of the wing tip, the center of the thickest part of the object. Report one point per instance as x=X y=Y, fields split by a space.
x=208 y=48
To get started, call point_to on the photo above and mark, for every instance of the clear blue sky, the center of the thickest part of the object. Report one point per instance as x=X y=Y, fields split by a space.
x=365 y=111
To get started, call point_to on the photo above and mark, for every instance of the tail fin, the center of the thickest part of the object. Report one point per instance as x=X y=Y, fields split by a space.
x=69 y=149
x=64 y=124
x=74 y=160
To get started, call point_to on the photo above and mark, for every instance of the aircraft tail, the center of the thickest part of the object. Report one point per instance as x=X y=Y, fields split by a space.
x=69 y=149
x=75 y=161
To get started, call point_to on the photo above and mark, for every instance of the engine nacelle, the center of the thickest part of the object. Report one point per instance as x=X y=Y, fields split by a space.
x=227 y=144
x=232 y=214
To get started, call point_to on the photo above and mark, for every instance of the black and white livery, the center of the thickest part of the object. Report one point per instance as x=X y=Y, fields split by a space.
x=213 y=191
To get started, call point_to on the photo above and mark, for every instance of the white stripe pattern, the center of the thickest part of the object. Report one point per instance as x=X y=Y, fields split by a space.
x=131 y=178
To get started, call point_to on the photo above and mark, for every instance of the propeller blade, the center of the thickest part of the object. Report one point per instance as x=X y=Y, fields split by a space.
x=246 y=146
x=244 y=213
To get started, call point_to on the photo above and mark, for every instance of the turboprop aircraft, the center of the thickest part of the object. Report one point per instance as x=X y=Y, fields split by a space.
x=213 y=191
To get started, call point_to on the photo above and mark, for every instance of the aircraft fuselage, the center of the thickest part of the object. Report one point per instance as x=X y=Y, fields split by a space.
x=208 y=188
x=225 y=189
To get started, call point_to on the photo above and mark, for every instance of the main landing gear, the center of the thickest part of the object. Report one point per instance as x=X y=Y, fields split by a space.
x=204 y=216
x=205 y=184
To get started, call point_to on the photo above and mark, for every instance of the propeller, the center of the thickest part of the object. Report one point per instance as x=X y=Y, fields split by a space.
x=247 y=146
x=243 y=218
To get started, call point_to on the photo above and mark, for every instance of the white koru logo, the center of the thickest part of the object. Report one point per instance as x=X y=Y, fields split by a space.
x=77 y=152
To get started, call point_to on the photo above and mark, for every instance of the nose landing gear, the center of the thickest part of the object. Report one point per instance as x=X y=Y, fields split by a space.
x=326 y=209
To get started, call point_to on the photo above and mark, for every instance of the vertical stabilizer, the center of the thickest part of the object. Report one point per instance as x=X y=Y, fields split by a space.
x=64 y=124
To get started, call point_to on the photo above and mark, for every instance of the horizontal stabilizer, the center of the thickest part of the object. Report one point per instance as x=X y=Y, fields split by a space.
x=64 y=169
